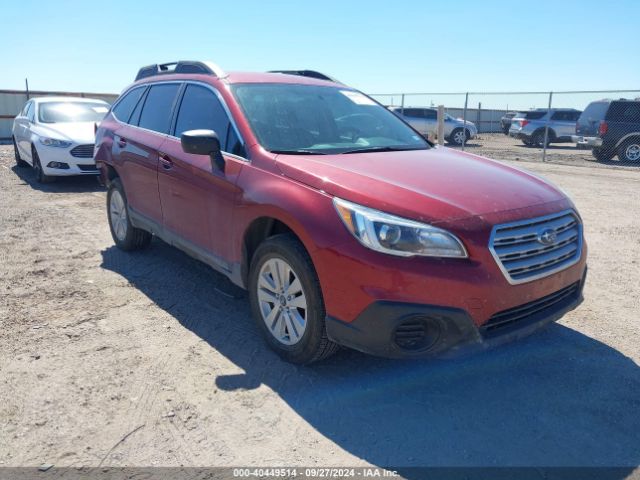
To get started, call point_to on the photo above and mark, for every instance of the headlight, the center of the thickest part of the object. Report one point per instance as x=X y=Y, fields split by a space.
x=396 y=235
x=54 y=142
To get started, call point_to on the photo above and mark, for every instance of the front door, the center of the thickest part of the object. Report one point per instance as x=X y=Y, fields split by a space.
x=197 y=198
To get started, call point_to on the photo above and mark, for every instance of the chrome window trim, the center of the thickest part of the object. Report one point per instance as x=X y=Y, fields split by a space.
x=185 y=82
x=529 y=221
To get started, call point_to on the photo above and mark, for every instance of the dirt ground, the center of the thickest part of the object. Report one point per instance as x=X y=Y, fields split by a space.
x=116 y=359
x=502 y=147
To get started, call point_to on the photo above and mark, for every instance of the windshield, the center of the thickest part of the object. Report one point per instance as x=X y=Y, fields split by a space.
x=62 y=112
x=289 y=118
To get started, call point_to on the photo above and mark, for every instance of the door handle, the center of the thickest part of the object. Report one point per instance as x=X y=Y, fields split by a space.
x=122 y=142
x=166 y=162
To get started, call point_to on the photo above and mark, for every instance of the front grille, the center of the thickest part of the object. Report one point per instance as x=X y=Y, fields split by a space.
x=82 y=151
x=538 y=247
x=88 y=168
x=532 y=311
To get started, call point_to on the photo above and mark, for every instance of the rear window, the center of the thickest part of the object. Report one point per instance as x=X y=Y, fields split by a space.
x=624 y=112
x=594 y=112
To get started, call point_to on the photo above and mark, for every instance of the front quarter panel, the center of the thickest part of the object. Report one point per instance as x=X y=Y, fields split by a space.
x=308 y=212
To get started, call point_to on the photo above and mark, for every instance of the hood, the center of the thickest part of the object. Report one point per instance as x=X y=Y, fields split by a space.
x=80 y=132
x=438 y=184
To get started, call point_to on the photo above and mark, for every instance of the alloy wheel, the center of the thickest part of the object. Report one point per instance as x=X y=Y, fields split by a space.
x=632 y=153
x=459 y=137
x=118 y=215
x=282 y=301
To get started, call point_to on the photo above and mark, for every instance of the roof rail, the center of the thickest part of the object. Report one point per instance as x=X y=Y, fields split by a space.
x=183 y=66
x=307 y=73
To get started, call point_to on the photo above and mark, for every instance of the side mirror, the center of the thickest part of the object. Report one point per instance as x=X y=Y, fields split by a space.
x=203 y=142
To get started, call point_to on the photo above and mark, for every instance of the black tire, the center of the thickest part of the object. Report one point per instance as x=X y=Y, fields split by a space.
x=455 y=133
x=313 y=345
x=19 y=162
x=133 y=238
x=537 y=139
x=37 y=166
x=629 y=151
x=602 y=155
x=526 y=141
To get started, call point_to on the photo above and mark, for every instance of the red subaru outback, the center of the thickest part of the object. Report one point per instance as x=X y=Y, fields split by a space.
x=342 y=222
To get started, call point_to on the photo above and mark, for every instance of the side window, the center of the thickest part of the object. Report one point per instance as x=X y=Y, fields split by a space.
x=31 y=112
x=559 y=115
x=156 y=112
x=23 y=113
x=574 y=116
x=126 y=104
x=134 y=119
x=632 y=112
x=431 y=114
x=201 y=109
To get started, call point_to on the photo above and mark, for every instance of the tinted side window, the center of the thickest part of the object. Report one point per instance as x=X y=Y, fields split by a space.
x=156 y=112
x=409 y=112
x=628 y=112
x=135 y=116
x=201 y=109
x=431 y=114
x=535 y=114
x=125 y=106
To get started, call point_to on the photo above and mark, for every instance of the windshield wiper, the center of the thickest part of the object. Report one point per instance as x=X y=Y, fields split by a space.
x=382 y=149
x=298 y=152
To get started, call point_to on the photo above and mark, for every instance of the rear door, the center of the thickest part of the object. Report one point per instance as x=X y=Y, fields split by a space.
x=431 y=120
x=623 y=119
x=416 y=118
x=137 y=144
x=563 y=123
x=198 y=199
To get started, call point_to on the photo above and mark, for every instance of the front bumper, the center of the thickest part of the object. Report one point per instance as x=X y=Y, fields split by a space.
x=72 y=165
x=405 y=330
x=587 y=141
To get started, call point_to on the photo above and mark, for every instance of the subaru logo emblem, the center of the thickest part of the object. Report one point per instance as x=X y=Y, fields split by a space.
x=547 y=237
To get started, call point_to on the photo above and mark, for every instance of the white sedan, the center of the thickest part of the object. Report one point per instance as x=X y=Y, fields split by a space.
x=55 y=135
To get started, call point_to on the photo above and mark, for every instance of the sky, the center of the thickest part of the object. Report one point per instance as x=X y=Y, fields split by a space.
x=375 y=46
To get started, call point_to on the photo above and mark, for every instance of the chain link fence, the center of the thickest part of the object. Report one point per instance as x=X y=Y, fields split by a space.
x=600 y=127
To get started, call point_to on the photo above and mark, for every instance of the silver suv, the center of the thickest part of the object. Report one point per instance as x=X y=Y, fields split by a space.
x=425 y=121
x=529 y=126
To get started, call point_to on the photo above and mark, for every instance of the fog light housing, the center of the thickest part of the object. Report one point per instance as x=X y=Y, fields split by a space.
x=58 y=165
x=417 y=334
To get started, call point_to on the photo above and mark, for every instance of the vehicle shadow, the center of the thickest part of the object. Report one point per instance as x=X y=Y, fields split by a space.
x=555 y=399
x=75 y=184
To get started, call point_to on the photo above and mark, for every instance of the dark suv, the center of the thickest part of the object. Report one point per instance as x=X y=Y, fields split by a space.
x=344 y=224
x=611 y=127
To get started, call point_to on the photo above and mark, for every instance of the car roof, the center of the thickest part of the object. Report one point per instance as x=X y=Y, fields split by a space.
x=243 y=77
x=67 y=99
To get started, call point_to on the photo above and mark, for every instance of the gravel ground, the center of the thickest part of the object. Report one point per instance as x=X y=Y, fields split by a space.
x=502 y=147
x=151 y=358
